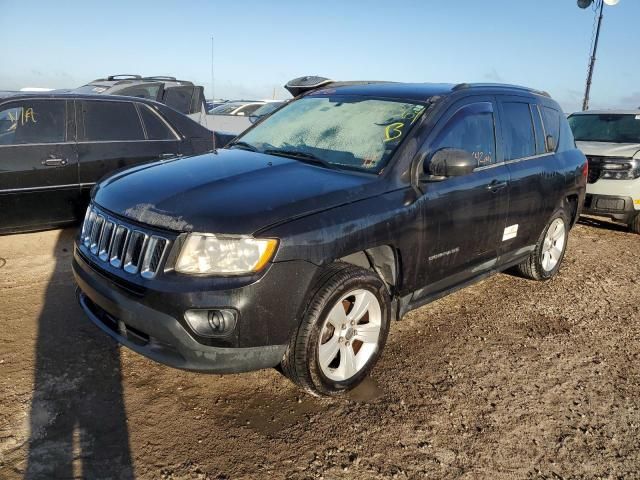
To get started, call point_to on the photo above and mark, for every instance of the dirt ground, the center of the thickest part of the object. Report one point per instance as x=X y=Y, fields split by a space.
x=506 y=379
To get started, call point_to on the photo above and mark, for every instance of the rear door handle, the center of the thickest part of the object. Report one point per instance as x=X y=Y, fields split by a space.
x=496 y=185
x=54 y=162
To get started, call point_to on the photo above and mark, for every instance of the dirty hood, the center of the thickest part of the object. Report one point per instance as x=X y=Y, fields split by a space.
x=232 y=191
x=604 y=149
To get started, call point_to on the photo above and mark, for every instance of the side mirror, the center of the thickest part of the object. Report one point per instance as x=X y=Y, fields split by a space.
x=451 y=162
x=551 y=143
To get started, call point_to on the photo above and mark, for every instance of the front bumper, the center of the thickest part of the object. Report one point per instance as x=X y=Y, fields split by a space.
x=151 y=322
x=610 y=206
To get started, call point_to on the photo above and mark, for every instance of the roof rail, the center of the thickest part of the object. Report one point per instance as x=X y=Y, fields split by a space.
x=463 y=86
x=124 y=76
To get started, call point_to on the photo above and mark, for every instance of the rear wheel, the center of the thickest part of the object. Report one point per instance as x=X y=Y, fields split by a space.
x=545 y=260
x=635 y=224
x=342 y=333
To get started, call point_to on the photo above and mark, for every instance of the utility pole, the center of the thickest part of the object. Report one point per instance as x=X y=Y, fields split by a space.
x=592 y=61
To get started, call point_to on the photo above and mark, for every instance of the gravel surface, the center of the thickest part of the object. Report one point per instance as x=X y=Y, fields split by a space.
x=506 y=379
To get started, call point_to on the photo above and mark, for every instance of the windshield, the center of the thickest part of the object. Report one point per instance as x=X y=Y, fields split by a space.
x=614 y=128
x=347 y=132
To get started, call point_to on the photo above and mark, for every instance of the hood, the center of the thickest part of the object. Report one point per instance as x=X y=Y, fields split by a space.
x=232 y=191
x=604 y=149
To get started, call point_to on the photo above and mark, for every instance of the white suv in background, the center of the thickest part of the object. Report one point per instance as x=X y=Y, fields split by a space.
x=611 y=142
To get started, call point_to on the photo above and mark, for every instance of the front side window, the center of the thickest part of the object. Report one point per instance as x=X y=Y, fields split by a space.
x=349 y=132
x=519 y=139
x=609 y=127
x=471 y=129
x=32 y=121
x=111 y=121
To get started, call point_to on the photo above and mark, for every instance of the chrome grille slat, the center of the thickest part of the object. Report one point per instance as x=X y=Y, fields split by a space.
x=131 y=249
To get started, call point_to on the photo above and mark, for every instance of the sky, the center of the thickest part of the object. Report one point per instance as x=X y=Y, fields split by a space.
x=259 y=45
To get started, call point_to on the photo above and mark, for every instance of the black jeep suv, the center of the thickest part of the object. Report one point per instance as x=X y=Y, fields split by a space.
x=299 y=242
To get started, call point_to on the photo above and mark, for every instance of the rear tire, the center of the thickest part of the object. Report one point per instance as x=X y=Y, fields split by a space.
x=635 y=224
x=545 y=260
x=342 y=332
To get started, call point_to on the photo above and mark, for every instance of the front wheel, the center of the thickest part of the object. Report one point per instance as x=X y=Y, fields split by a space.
x=545 y=260
x=635 y=224
x=342 y=332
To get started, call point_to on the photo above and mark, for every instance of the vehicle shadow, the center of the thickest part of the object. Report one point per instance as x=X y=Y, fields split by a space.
x=78 y=423
x=602 y=224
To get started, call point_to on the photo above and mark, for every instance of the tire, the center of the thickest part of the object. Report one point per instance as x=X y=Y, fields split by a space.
x=340 y=295
x=546 y=259
x=635 y=224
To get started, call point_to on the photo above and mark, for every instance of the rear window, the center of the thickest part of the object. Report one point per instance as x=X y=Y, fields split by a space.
x=156 y=128
x=179 y=98
x=32 y=121
x=111 y=121
x=518 y=131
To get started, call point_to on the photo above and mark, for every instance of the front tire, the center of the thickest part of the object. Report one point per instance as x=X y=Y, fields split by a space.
x=635 y=224
x=545 y=260
x=342 y=332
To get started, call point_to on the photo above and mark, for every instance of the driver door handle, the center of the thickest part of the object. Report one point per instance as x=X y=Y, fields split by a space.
x=54 y=162
x=496 y=185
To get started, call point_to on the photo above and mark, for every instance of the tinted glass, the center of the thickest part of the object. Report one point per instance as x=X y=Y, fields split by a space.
x=346 y=131
x=471 y=129
x=32 y=121
x=519 y=140
x=179 y=98
x=156 y=128
x=610 y=127
x=141 y=91
x=249 y=109
x=551 y=119
x=109 y=121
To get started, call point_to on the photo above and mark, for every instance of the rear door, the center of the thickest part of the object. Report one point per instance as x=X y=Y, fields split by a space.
x=120 y=134
x=535 y=176
x=38 y=165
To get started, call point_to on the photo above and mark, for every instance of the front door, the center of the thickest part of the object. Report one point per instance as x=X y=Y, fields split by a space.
x=38 y=165
x=463 y=217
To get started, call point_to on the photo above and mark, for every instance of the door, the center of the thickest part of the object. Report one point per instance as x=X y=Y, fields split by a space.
x=463 y=217
x=118 y=134
x=38 y=165
x=535 y=177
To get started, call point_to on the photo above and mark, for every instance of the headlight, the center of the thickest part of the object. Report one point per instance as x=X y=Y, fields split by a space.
x=210 y=254
x=622 y=169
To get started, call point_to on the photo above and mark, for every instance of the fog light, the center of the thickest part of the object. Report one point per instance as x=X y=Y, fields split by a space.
x=212 y=323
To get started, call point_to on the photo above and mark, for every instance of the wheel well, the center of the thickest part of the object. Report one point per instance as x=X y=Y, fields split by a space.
x=383 y=260
x=572 y=204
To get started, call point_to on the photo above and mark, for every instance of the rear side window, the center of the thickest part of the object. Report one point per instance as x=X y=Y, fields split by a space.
x=519 y=139
x=156 y=128
x=111 y=121
x=551 y=119
x=472 y=129
x=32 y=121
x=179 y=98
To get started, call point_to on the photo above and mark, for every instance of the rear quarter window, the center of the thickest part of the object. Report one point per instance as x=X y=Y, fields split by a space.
x=156 y=128
x=551 y=120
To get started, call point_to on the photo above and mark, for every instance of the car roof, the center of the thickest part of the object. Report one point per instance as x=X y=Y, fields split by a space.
x=416 y=91
x=70 y=95
x=609 y=112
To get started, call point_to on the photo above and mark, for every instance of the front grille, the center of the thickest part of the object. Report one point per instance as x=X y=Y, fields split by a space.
x=123 y=246
x=595 y=169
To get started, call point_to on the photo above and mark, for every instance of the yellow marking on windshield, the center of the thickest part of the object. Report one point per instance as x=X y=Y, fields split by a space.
x=393 y=131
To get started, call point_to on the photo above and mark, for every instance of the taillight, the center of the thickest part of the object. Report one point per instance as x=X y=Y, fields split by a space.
x=585 y=170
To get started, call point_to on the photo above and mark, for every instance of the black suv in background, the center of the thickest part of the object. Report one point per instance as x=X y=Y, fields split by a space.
x=55 y=147
x=299 y=242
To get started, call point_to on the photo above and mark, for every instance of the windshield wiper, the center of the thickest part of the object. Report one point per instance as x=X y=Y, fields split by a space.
x=302 y=156
x=243 y=145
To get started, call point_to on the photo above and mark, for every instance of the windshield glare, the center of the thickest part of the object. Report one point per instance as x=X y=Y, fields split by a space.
x=350 y=132
x=614 y=128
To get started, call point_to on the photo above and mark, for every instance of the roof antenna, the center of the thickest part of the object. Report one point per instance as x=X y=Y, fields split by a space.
x=213 y=98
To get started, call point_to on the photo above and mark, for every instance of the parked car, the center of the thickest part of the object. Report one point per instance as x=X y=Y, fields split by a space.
x=242 y=108
x=180 y=95
x=298 y=243
x=55 y=146
x=211 y=104
x=236 y=123
x=611 y=142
